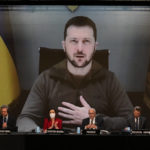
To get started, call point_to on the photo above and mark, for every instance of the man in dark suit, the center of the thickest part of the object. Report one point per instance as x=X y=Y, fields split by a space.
x=7 y=122
x=93 y=122
x=136 y=121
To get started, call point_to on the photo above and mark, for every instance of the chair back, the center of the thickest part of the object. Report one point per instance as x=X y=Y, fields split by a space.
x=50 y=57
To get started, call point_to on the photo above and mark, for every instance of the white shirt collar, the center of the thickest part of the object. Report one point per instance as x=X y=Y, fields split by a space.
x=136 y=119
x=6 y=118
x=91 y=121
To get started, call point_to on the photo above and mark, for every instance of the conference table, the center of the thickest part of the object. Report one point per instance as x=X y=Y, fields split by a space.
x=26 y=141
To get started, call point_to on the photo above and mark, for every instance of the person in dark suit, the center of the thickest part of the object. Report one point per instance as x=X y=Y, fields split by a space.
x=137 y=121
x=7 y=121
x=93 y=122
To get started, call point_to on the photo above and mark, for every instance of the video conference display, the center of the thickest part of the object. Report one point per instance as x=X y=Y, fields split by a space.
x=121 y=30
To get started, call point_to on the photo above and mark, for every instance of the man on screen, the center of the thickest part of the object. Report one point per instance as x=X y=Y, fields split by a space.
x=76 y=84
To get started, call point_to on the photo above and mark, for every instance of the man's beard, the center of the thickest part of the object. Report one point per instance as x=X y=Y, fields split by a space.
x=73 y=62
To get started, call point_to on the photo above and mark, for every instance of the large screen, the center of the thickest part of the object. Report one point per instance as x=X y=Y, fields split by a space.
x=122 y=30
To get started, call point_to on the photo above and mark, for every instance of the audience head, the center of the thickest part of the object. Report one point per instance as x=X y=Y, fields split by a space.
x=4 y=110
x=92 y=113
x=79 y=43
x=52 y=113
x=137 y=111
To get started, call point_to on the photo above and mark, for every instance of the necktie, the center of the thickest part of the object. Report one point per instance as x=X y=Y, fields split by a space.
x=136 y=124
x=92 y=121
x=4 y=119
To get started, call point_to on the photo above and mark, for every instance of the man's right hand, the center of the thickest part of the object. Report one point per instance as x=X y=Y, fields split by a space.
x=91 y=126
x=88 y=126
x=4 y=125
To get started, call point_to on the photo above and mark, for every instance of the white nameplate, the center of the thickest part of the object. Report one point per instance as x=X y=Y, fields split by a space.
x=94 y=132
x=55 y=131
x=5 y=131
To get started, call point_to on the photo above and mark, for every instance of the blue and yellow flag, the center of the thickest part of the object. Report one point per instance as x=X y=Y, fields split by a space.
x=9 y=82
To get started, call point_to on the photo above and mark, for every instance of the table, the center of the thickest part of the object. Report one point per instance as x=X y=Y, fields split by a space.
x=27 y=141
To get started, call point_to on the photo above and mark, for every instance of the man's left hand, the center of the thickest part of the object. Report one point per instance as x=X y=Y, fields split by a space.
x=93 y=126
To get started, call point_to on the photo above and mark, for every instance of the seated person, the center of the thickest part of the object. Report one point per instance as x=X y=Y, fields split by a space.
x=136 y=121
x=7 y=122
x=93 y=122
x=52 y=122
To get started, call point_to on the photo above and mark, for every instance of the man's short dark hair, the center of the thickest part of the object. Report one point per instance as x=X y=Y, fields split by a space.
x=81 y=21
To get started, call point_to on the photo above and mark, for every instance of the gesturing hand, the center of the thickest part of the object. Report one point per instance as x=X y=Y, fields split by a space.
x=74 y=113
x=4 y=125
x=56 y=125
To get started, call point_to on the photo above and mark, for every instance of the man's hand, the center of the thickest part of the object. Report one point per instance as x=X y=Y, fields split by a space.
x=93 y=126
x=74 y=113
x=4 y=125
x=88 y=126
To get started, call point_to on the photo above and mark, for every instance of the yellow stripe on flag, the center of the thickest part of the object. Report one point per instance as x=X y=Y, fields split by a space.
x=9 y=82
